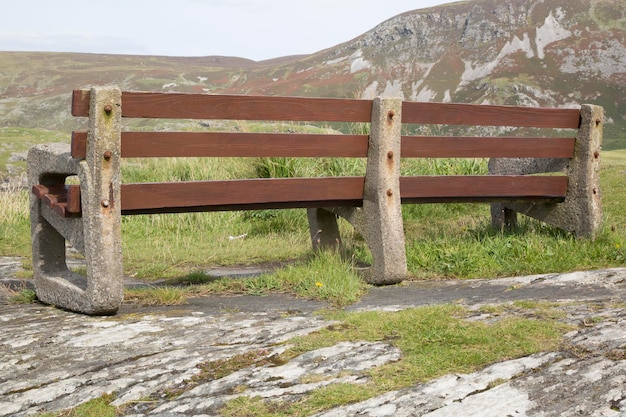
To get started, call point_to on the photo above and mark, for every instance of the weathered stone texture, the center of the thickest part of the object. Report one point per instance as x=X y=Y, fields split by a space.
x=52 y=360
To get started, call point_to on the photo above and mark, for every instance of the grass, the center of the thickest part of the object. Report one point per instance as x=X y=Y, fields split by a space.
x=475 y=250
x=327 y=277
x=99 y=407
x=434 y=341
x=24 y=296
x=14 y=223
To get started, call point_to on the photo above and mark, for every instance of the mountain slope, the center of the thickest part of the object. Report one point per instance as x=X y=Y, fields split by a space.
x=526 y=52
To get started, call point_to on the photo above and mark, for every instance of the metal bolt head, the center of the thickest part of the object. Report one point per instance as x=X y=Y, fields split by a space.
x=389 y=192
x=107 y=155
x=105 y=203
x=108 y=109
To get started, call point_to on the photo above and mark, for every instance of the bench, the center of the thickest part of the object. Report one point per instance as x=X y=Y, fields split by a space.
x=87 y=215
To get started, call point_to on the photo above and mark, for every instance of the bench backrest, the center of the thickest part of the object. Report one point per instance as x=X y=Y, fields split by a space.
x=333 y=191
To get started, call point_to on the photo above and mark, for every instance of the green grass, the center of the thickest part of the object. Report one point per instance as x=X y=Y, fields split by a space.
x=99 y=407
x=14 y=223
x=473 y=249
x=326 y=277
x=434 y=341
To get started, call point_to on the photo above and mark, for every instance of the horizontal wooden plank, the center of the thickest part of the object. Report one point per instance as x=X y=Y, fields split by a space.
x=227 y=144
x=241 y=194
x=220 y=144
x=306 y=192
x=338 y=191
x=233 y=107
x=40 y=190
x=466 y=188
x=484 y=115
x=486 y=147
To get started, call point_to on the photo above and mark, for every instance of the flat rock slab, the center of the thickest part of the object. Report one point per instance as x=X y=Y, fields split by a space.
x=53 y=360
x=587 y=285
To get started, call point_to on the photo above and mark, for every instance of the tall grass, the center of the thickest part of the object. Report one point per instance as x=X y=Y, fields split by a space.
x=14 y=222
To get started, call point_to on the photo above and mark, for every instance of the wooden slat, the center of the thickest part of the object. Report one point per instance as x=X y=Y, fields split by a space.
x=483 y=115
x=226 y=144
x=341 y=191
x=78 y=147
x=222 y=144
x=216 y=144
x=40 y=190
x=241 y=194
x=232 y=107
x=204 y=106
x=465 y=188
x=59 y=207
x=73 y=199
x=53 y=200
x=62 y=199
x=487 y=147
x=80 y=103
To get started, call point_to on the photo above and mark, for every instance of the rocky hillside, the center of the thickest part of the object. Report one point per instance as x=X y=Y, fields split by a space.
x=528 y=52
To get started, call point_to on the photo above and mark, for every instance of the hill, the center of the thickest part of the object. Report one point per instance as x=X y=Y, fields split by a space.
x=538 y=52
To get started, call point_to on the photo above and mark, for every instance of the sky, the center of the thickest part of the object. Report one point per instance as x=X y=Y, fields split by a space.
x=254 y=29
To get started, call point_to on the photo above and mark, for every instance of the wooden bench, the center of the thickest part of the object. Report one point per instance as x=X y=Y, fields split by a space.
x=88 y=214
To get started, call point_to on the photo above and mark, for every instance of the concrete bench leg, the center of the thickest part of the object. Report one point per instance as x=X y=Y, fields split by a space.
x=97 y=233
x=324 y=229
x=380 y=219
x=581 y=212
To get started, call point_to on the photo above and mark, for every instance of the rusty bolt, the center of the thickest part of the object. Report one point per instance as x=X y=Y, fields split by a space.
x=390 y=115
x=390 y=155
x=596 y=154
x=108 y=109
x=105 y=203
x=389 y=192
x=107 y=155
x=598 y=121
x=595 y=191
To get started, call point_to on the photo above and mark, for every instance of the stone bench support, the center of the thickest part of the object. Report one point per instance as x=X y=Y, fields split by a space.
x=581 y=212
x=96 y=234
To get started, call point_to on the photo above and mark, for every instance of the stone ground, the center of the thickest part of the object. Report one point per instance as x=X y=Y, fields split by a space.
x=53 y=360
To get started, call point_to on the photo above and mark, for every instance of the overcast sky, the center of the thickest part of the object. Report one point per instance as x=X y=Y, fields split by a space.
x=255 y=29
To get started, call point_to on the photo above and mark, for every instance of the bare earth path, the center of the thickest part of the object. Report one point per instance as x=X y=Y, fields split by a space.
x=52 y=360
